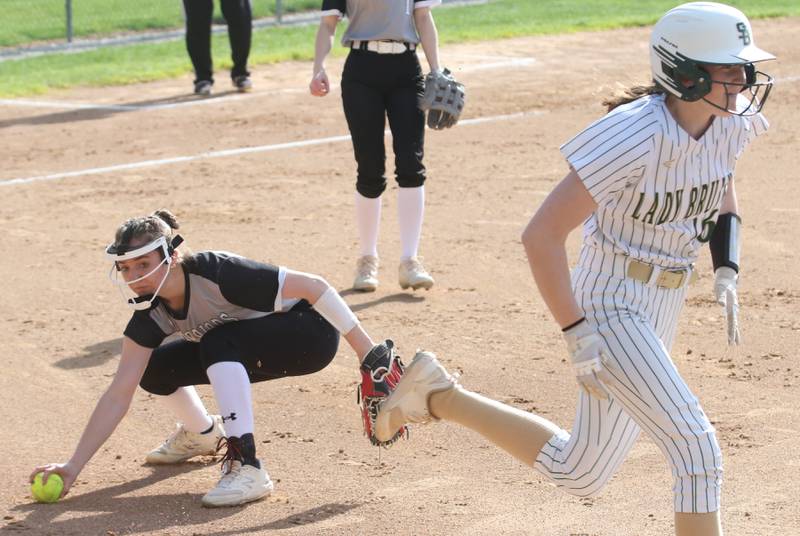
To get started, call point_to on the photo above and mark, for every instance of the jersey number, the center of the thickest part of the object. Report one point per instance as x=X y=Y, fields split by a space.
x=707 y=227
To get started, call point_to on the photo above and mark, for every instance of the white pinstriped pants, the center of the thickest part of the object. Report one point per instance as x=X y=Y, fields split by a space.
x=637 y=322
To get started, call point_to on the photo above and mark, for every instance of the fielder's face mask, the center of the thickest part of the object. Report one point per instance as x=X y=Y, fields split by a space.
x=117 y=253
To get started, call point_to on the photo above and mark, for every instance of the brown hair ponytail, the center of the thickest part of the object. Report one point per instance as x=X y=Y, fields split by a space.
x=631 y=94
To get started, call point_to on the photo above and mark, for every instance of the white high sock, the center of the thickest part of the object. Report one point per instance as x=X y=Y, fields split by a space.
x=368 y=220
x=232 y=390
x=410 y=211
x=185 y=403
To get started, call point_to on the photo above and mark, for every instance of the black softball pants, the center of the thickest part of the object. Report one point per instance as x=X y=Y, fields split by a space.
x=375 y=86
x=293 y=343
x=239 y=17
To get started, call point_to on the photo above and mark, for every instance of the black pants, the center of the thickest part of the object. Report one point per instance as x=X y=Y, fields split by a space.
x=294 y=343
x=375 y=86
x=239 y=18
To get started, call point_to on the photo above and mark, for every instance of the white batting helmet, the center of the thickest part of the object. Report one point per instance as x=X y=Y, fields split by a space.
x=698 y=33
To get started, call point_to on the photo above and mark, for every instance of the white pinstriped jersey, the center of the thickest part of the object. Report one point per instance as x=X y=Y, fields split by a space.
x=657 y=189
x=658 y=193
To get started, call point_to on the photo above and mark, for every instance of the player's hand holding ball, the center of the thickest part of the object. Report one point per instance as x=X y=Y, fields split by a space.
x=586 y=351
x=51 y=482
x=320 y=86
x=725 y=279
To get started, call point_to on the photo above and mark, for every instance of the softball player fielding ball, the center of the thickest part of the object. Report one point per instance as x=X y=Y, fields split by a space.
x=382 y=76
x=651 y=182
x=241 y=322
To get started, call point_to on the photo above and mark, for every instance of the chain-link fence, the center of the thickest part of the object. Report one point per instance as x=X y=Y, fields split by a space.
x=32 y=21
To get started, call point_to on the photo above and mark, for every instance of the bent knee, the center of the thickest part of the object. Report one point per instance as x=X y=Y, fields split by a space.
x=584 y=493
x=157 y=387
x=583 y=486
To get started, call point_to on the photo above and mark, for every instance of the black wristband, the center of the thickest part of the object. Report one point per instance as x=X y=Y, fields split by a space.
x=574 y=324
x=724 y=242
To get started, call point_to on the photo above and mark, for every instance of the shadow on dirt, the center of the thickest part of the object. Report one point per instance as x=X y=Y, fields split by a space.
x=93 y=355
x=98 y=112
x=400 y=297
x=118 y=509
x=109 y=511
x=312 y=515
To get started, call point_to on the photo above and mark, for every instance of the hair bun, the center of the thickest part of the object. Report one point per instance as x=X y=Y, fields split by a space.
x=167 y=217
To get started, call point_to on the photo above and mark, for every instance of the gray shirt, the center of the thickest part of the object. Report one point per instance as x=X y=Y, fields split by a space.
x=220 y=287
x=378 y=20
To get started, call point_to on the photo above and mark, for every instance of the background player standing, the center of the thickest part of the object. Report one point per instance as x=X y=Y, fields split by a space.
x=239 y=18
x=382 y=77
x=241 y=322
x=650 y=182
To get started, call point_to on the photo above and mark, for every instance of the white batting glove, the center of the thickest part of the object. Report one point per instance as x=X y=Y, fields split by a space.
x=586 y=349
x=725 y=292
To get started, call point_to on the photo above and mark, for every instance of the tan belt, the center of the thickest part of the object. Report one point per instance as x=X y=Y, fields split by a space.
x=665 y=278
x=383 y=47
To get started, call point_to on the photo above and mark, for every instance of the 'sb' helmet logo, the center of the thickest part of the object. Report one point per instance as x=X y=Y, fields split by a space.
x=744 y=33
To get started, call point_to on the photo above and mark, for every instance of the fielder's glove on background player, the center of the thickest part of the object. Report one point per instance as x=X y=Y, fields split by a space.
x=586 y=349
x=725 y=279
x=381 y=370
x=443 y=99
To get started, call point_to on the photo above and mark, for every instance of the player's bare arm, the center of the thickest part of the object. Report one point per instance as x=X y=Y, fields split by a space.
x=544 y=239
x=428 y=35
x=320 y=85
x=108 y=413
x=321 y=295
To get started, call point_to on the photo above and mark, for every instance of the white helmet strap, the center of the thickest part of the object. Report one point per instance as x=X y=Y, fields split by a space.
x=123 y=253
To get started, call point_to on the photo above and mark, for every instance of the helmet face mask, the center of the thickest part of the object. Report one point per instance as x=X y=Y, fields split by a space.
x=693 y=36
x=755 y=90
x=117 y=253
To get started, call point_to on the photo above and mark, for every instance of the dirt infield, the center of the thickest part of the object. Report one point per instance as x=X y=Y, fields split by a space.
x=292 y=205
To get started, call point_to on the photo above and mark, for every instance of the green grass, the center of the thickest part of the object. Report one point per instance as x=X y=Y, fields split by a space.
x=38 y=20
x=511 y=18
x=498 y=19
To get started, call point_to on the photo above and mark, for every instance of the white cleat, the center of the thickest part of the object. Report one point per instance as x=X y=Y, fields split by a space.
x=412 y=274
x=366 y=274
x=182 y=444
x=408 y=403
x=239 y=485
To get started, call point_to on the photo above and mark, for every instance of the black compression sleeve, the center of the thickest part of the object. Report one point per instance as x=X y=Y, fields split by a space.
x=724 y=243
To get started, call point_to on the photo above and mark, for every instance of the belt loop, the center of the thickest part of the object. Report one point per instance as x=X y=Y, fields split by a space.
x=691 y=275
x=655 y=272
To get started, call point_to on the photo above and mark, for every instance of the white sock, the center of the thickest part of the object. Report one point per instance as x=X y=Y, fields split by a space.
x=368 y=220
x=232 y=390
x=410 y=210
x=186 y=405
